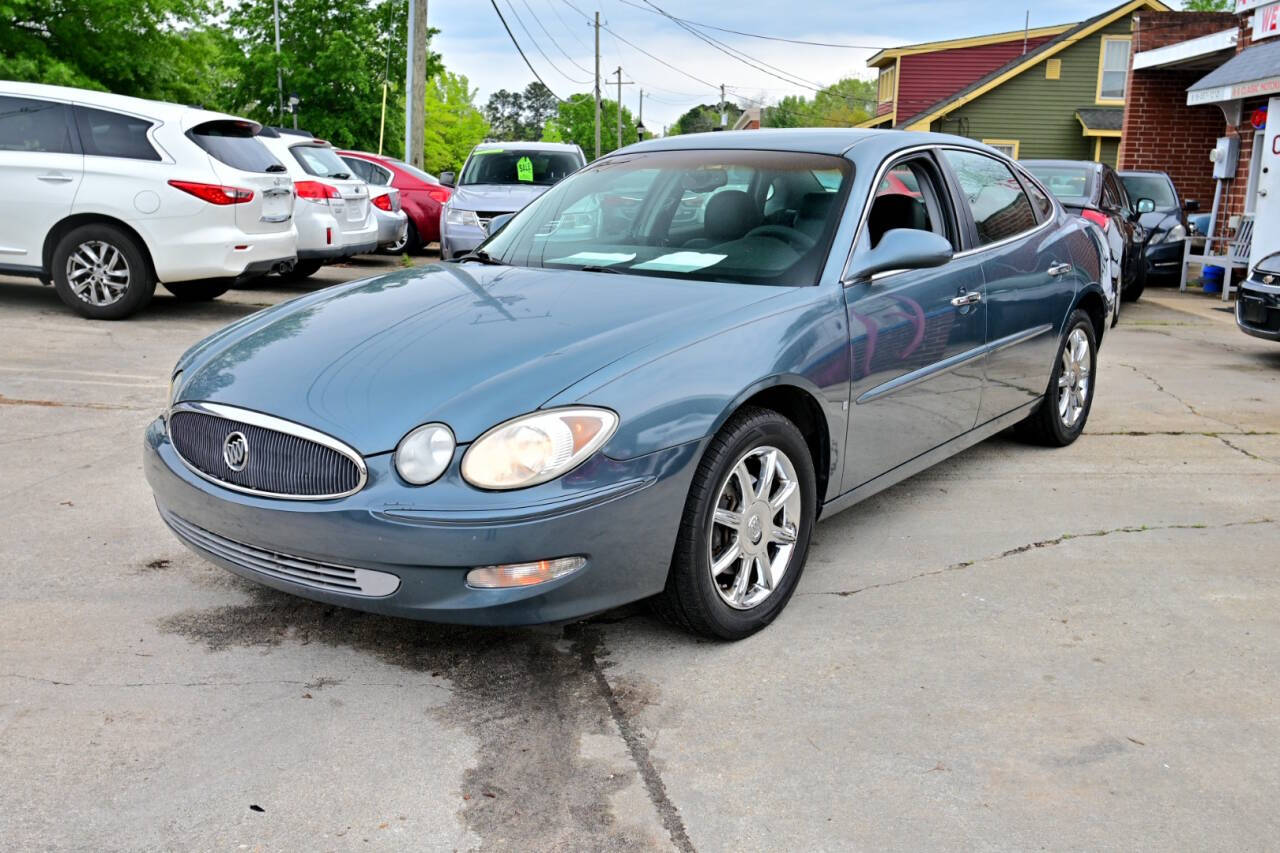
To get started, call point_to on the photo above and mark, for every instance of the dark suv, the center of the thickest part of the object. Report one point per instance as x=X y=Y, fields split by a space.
x=1166 y=226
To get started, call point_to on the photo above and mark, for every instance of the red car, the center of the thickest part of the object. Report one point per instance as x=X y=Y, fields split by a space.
x=421 y=195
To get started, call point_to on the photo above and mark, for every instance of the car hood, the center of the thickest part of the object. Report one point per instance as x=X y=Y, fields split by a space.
x=1159 y=220
x=464 y=344
x=495 y=198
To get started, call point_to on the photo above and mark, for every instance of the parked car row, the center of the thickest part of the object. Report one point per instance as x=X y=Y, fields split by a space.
x=109 y=196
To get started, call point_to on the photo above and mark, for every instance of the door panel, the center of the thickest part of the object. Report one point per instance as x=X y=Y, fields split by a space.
x=42 y=172
x=1026 y=306
x=916 y=365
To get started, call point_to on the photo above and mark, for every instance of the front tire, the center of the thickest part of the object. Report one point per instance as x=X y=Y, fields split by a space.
x=744 y=536
x=1061 y=415
x=101 y=272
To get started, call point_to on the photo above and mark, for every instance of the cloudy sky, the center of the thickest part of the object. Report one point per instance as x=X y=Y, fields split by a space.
x=557 y=37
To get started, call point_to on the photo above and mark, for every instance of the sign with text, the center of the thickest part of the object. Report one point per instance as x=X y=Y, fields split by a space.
x=1266 y=22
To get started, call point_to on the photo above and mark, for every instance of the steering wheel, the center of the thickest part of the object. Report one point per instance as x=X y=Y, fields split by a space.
x=797 y=240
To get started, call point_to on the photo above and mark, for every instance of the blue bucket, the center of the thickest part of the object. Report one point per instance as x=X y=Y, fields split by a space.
x=1212 y=279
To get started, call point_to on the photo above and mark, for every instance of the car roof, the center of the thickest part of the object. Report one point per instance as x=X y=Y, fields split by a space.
x=529 y=146
x=812 y=140
x=1124 y=172
x=160 y=110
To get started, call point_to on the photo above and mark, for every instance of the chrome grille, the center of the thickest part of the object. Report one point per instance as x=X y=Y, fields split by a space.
x=282 y=459
x=317 y=575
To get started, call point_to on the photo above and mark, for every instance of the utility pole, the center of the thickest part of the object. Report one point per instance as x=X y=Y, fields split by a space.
x=415 y=90
x=597 y=157
x=621 y=83
x=639 y=119
x=724 y=115
x=279 y=73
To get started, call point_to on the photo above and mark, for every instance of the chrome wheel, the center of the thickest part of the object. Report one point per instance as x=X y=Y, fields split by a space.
x=401 y=241
x=754 y=527
x=1073 y=378
x=98 y=273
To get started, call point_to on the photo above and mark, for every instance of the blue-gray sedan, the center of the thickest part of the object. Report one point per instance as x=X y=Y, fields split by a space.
x=651 y=382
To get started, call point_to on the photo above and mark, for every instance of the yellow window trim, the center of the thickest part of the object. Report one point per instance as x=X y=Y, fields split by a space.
x=1127 y=9
x=1011 y=142
x=1053 y=69
x=1102 y=55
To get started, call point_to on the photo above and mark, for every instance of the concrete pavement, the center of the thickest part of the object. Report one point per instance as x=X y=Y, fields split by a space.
x=1071 y=649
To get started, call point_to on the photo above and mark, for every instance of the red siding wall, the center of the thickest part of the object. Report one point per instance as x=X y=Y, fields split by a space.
x=929 y=77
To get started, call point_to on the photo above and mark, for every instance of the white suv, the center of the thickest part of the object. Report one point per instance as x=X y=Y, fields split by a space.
x=334 y=217
x=108 y=195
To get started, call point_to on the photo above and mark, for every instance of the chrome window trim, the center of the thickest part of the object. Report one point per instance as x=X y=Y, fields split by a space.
x=916 y=149
x=275 y=424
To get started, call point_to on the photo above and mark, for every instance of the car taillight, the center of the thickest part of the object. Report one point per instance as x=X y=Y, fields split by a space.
x=1097 y=218
x=440 y=194
x=383 y=202
x=314 y=191
x=214 y=193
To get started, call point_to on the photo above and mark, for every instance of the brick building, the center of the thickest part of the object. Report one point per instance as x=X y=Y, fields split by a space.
x=1195 y=77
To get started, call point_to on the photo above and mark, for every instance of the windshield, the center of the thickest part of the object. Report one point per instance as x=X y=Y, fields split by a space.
x=1154 y=187
x=321 y=161
x=1069 y=183
x=415 y=171
x=752 y=217
x=1270 y=264
x=518 y=166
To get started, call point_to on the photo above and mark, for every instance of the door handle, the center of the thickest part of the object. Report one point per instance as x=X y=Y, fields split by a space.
x=55 y=178
x=1059 y=269
x=971 y=298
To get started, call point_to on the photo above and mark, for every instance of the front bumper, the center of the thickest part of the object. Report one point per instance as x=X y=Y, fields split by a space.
x=1164 y=260
x=457 y=240
x=1258 y=310
x=622 y=516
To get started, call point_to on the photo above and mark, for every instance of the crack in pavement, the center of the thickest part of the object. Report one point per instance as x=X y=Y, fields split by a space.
x=586 y=647
x=1249 y=453
x=1043 y=543
x=1190 y=408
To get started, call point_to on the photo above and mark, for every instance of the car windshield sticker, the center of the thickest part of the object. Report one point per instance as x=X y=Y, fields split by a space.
x=524 y=169
x=598 y=259
x=681 y=262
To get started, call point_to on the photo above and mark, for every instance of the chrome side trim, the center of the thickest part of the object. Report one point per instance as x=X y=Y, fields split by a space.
x=917 y=376
x=270 y=422
x=1018 y=337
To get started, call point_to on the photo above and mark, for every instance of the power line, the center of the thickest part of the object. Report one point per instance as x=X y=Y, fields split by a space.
x=512 y=35
x=693 y=77
x=555 y=11
x=538 y=47
x=767 y=38
x=538 y=21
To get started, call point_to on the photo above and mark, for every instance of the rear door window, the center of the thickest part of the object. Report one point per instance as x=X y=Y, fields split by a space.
x=108 y=134
x=320 y=161
x=1041 y=202
x=235 y=143
x=1000 y=207
x=28 y=124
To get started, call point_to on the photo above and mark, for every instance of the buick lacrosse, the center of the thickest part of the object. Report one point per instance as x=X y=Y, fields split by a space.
x=649 y=383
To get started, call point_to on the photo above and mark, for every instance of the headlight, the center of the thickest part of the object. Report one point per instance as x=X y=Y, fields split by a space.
x=424 y=454
x=173 y=388
x=1175 y=234
x=538 y=447
x=453 y=216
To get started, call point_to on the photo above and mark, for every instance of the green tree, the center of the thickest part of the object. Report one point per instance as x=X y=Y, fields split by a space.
x=842 y=104
x=334 y=55
x=453 y=123
x=520 y=115
x=703 y=118
x=574 y=123
x=1208 y=5
x=160 y=49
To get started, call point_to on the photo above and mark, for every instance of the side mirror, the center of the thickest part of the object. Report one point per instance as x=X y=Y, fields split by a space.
x=447 y=178
x=901 y=249
x=1145 y=205
x=499 y=222
x=1191 y=205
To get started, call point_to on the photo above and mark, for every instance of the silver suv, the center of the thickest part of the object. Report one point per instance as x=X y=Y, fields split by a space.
x=498 y=178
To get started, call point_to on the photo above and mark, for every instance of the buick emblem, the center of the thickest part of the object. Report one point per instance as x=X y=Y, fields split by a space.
x=235 y=451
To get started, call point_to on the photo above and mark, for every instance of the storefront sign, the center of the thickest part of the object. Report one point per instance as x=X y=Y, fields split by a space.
x=1266 y=22
x=1267 y=86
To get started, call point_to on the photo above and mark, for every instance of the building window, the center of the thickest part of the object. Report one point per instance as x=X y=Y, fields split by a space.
x=1007 y=147
x=1113 y=69
x=1255 y=168
x=1053 y=69
x=886 y=84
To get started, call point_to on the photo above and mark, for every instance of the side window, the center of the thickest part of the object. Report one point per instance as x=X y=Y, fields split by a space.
x=30 y=125
x=378 y=175
x=107 y=134
x=910 y=195
x=358 y=167
x=1039 y=200
x=1111 y=197
x=1000 y=208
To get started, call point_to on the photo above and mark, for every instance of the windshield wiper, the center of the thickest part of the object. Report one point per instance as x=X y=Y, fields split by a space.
x=598 y=268
x=480 y=256
x=340 y=176
x=276 y=167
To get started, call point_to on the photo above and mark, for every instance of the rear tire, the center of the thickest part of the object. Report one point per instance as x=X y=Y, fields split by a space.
x=304 y=269
x=101 y=272
x=411 y=244
x=197 y=291
x=734 y=504
x=1061 y=415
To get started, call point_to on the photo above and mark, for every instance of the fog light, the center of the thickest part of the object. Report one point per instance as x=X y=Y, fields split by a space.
x=523 y=574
